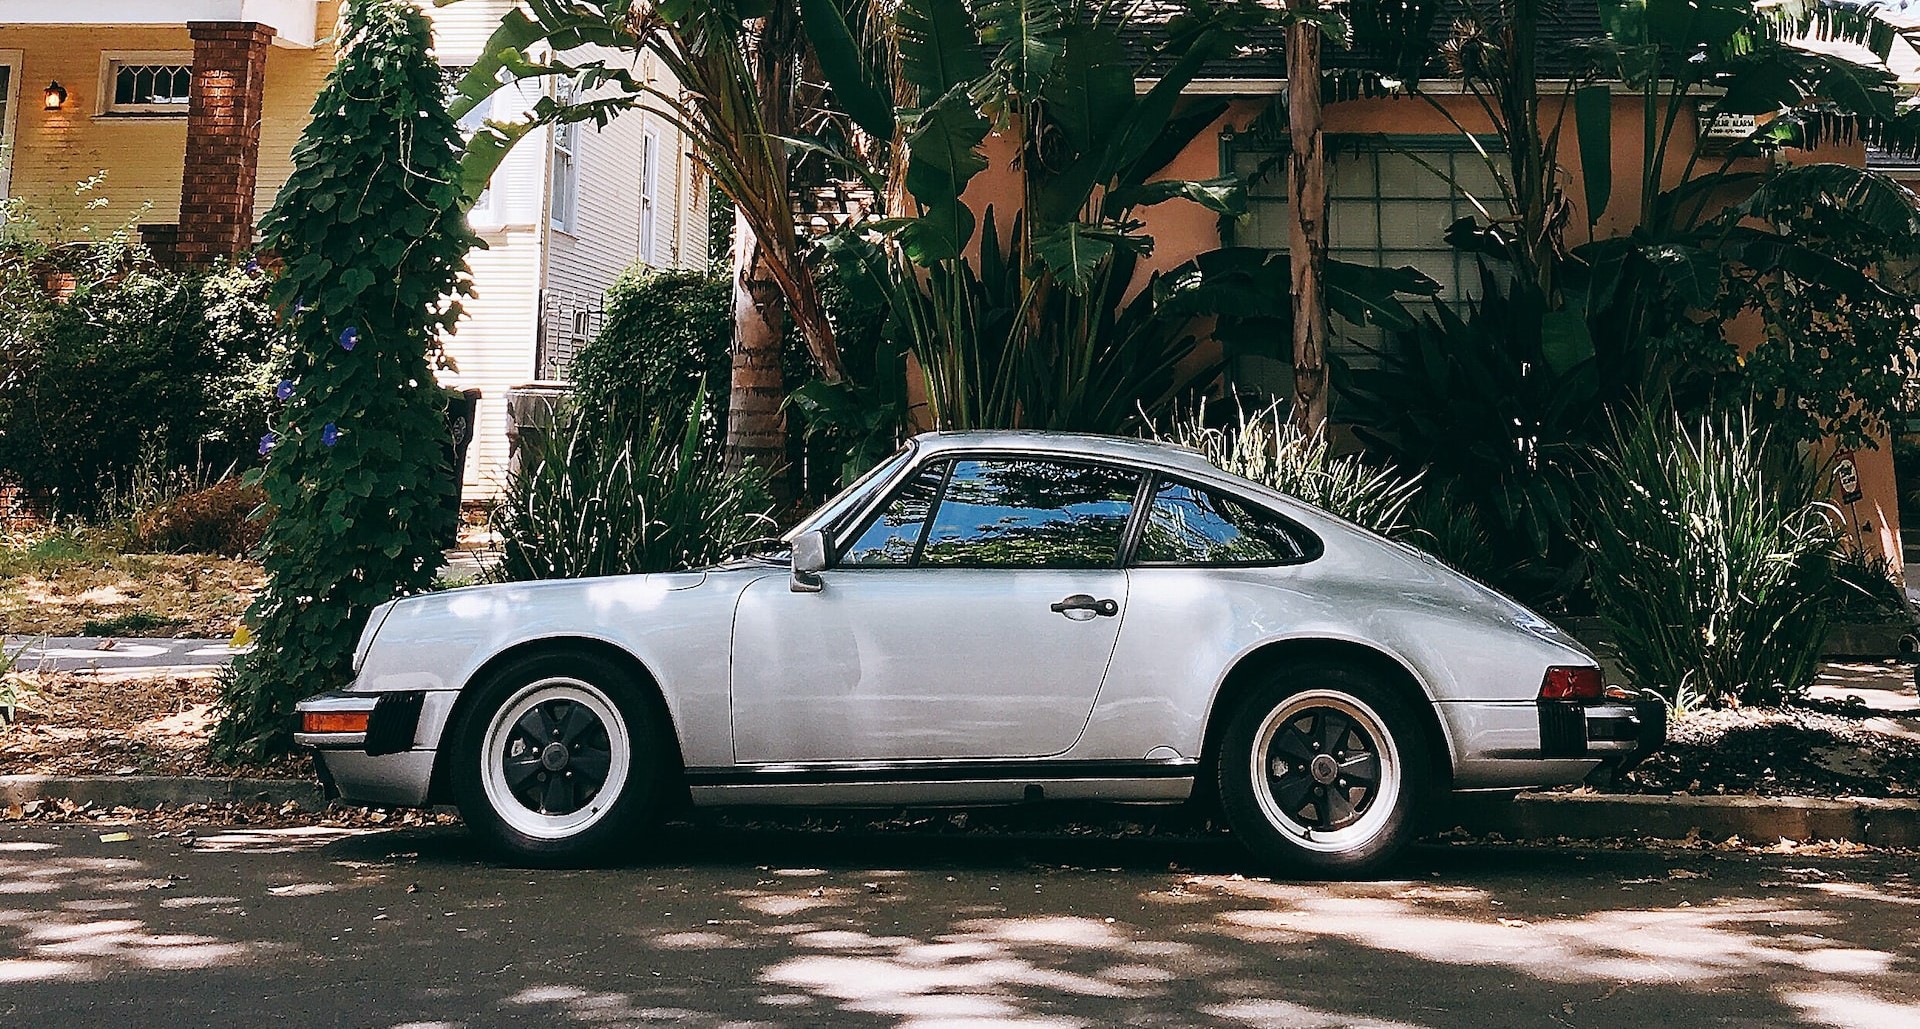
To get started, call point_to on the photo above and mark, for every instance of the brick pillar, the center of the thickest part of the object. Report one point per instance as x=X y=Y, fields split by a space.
x=223 y=139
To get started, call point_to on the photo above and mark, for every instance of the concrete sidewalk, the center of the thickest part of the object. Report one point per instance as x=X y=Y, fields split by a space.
x=121 y=658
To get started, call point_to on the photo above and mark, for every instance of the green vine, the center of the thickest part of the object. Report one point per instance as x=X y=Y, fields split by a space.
x=373 y=238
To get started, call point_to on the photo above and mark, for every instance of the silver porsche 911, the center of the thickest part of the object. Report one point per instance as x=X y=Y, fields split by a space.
x=987 y=618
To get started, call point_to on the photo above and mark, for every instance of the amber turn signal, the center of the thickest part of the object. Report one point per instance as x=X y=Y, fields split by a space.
x=333 y=721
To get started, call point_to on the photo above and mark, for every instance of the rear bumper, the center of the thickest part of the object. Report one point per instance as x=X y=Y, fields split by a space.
x=1520 y=744
x=392 y=762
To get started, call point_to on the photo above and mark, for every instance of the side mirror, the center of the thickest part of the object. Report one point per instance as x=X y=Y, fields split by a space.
x=809 y=560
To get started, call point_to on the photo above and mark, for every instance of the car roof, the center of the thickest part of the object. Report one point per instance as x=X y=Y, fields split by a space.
x=1120 y=449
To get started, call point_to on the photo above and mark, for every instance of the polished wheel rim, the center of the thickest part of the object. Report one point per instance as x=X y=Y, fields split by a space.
x=555 y=758
x=1325 y=770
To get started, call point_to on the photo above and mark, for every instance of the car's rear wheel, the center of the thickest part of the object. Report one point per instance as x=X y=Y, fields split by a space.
x=556 y=758
x=1322 y=770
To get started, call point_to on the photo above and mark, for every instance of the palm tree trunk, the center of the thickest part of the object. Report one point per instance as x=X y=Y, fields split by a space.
x=756 y=413
x=756 y=417
x=1307 y=234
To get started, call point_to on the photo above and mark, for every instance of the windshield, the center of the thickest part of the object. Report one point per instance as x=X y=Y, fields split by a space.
x=853 y=497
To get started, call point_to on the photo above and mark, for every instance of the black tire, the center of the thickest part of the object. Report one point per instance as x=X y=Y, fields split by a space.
x=559 y=789
x=1275 y=803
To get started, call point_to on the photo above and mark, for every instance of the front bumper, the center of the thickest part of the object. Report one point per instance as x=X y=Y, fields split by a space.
x=392 y=761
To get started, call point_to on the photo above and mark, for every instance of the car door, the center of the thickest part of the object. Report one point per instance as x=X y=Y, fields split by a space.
x=973 y=616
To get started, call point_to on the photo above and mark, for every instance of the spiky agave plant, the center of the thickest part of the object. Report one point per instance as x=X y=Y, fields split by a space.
x=1713 y=558
x=1265 y=445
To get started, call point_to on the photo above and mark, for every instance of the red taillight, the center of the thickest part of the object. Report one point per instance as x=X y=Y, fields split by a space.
x=1564 y=682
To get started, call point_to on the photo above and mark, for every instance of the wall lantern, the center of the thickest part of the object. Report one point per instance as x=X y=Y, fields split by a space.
x=56 y=96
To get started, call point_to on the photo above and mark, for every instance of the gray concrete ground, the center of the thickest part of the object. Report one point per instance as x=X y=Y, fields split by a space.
x=122 y=657
x=329 y=927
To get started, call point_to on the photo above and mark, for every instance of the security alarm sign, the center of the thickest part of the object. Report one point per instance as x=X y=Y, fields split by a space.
x=1846 y=474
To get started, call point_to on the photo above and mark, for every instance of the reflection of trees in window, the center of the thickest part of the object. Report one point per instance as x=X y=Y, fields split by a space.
x=893 y=535
x=1186 y=525
x=1031 y=514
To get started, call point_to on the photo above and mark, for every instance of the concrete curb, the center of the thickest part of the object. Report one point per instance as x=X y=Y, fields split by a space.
x=150 y=791
x=1871 y=821
x=1580 y=816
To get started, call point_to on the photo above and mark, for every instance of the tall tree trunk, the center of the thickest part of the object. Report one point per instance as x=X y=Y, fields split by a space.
x=1307 y=234
x=756 y=415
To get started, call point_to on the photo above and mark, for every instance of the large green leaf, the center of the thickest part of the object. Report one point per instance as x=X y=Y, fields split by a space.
x=1224 y=195
x=843 y=62
x=1565 y=341
x=1074 y=251
x=1690 y=273
x=1028 y=33
x=1368 y=295
x=1091 y=88
x=939 y=49
x=1869 y=196
x=485 y=150
x=1593 y=123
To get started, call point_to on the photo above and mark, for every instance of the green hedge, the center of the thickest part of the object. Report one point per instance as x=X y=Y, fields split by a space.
x=155 y=365
x=665 y=333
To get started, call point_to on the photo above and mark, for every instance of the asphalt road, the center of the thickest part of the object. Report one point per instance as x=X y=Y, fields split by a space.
x=331 y=927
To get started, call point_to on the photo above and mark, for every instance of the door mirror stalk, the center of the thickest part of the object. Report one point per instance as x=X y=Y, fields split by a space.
x=809 y=560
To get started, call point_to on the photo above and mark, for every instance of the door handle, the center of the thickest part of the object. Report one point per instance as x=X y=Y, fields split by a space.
x=1086 y=602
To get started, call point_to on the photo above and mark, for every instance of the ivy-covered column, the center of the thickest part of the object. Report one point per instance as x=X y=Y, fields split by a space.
x=373 y=241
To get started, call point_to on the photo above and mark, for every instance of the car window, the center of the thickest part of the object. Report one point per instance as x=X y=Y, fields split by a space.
x=1021 y=513
x=835 y=514
x=1192 y=526
x=894 y=533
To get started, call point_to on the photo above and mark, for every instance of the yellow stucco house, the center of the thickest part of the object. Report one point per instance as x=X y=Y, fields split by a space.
x=186 y=113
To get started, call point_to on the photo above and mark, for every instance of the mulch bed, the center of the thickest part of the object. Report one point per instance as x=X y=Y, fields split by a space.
x=1814 y=750
x=81 y=725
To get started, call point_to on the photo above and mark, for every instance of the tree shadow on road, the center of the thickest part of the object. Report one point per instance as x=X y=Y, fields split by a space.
x=759 y=924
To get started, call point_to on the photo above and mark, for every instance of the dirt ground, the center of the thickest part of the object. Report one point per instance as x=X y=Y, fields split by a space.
x=78 y=725
x=151 y=595
x=1819 y=750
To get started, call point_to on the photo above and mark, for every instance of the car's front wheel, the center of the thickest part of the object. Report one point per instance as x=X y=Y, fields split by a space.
x=556 y=759
x=1322 y=769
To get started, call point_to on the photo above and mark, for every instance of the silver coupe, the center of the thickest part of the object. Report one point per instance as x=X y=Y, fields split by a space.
x=988 y=618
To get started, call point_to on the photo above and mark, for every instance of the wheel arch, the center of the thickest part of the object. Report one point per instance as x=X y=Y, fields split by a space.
x=1248 y=671
x=648 y=692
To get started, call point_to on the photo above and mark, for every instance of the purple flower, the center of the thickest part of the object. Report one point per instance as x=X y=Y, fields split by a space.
x=266 y=444
x=330 y=434
x=285 y=390
x=349 y=338
x=253 y=266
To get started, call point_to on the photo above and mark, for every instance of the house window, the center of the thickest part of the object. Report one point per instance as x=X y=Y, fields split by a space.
x=649 y=192
x=146 y=82
x=565 y=203
x=482 y=212
x=1389 y=202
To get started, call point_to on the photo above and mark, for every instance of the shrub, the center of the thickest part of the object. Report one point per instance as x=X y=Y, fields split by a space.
x=372 y=228
x=184 y=362
x=1266 y=447
x=1713 y=557
x=214 y=520
x=601 y=505
x=665 y=334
